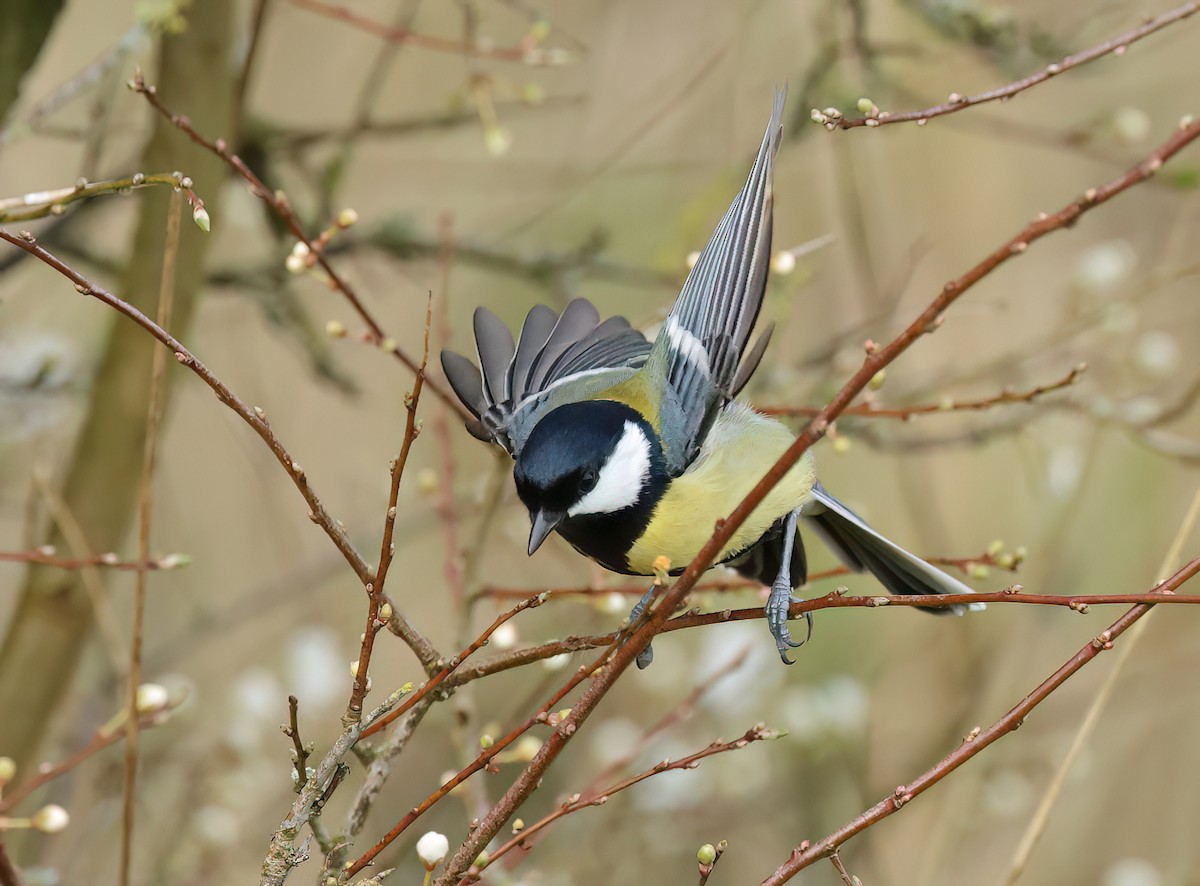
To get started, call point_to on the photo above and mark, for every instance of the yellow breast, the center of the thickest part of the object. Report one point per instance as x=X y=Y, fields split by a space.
x=738 y=450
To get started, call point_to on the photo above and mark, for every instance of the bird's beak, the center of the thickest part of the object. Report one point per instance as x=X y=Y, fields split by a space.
x=544 y=522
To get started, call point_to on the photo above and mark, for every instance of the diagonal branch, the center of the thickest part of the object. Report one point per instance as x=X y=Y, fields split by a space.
x=278 y=202
x=1114 y=46
x=877 y=358
x=976 y=741
x=254 y=417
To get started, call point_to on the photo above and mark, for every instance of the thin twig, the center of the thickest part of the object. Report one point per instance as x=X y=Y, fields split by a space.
x=847 y=878
x=40 y=204
x=872 y=410
x=526 y=51
x=1080 y=603
x=577 y=802
x=283 y=854
x=154 y=409
x=976 y=741
x=278 y=202
x=677 y=714
x=102 y=738
x=970 y=565
x=300 y=753
x=76 y=539
x=451 y=666
x=1114 y=46
x=46 y=556
x=376 y=617
x=255 y=417
x=542 y=715
x=877 y=359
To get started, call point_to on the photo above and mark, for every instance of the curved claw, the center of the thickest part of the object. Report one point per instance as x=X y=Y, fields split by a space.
x=777 y=610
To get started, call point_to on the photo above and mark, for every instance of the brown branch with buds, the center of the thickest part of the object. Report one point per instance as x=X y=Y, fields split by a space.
x=995 y=556
x=904 y=413
x=255 y=417
x=279 y=203
x=377 y=616
x=577 y=802
x=878 y=357
x=809 y=853
x=542 y=715
x=680 y=712
x=527 y=50
x=1080 y=603
x=831 y=118
x=47 y=556
x=41 y=204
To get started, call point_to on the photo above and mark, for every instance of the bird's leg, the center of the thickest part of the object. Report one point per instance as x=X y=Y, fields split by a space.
x=780 y=600
x=646 y=655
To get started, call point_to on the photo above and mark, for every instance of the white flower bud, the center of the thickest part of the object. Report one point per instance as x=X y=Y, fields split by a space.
x=50 y=819
x=432 y=848
x=152 y=698
x=201 y=218
x=347 y=218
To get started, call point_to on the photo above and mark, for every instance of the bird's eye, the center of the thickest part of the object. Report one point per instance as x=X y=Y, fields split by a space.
x=587 y=481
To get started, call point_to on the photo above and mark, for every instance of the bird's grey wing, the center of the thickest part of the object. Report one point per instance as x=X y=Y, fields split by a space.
x=701 y=345
x=518 y=382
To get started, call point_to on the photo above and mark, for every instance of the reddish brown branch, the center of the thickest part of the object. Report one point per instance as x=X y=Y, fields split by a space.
x=1008 y=562
x=440 y=677
x=254 y=417
x=975 y=741
x=278 y=202
x=680 y=712
x=578 y=802
x=101 y=739
x=1114 y=46
x=375 y=588
x=542 y=715
x=522 y=52
x=1078 y=602
x=877 y=359
x=904 y=413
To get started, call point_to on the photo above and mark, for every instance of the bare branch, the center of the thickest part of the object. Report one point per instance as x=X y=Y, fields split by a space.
x=977 y=740
x=578 y=802
x=254 y=417
x=872 y=410
x=955 y=103
x=278 y=202
x=877 y=358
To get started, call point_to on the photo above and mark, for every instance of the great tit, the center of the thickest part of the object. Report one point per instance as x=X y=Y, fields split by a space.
x=632 y=451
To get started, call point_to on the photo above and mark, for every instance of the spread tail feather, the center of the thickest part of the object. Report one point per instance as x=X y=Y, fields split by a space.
x=861 y=548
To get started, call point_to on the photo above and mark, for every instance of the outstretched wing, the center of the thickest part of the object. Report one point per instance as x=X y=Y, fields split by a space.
x=700 y=348
x=518 y=382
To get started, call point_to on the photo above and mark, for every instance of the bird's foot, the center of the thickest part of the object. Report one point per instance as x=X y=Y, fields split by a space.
x=778 y=606
x=646 y=656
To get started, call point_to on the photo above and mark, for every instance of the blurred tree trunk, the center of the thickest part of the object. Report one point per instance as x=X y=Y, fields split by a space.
x=54 y=620
x=24 y=27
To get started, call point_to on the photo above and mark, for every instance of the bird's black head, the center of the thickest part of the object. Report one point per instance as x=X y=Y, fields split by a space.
x=594 y=471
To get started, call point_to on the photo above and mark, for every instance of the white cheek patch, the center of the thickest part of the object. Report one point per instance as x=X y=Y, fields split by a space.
x=687 y=345
x=621 y=478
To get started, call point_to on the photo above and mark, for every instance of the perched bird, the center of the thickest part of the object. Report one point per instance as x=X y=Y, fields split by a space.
x=632 y=451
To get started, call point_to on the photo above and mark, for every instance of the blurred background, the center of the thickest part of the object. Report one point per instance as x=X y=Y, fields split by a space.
x=586 y=149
